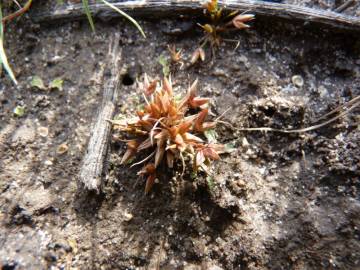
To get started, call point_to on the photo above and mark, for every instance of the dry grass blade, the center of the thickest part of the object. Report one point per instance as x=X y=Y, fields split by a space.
x=339 y=108
x=3 y=59
x=126 y=16
x=302 y=130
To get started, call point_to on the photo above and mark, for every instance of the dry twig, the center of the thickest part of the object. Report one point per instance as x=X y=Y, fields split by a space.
x=169 y=8
x=93 y=163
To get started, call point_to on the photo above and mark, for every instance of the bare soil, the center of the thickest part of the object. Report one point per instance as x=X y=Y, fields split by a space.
x=280 y=201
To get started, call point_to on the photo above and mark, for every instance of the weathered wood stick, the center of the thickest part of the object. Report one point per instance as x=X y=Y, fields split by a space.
x=171 y=7
x=345 y=6
x=92 y=168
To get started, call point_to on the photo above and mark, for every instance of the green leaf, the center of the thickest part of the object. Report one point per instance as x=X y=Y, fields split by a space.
x=88 y=13
x=178 y=98
x=140 y=107
x=211 y=183
x=193 y=175
x=126 y=16
x=3 y=59
x=229 y=147
x=131 y=160
x=165 y=64
x=211 y=135
x=56 y=84
x=37 y=82
x=19 y=111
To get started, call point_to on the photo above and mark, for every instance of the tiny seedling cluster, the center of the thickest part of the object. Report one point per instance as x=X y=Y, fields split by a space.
x=219 y=23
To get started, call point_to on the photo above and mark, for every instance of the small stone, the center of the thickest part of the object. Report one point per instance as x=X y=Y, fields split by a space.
x=243 y=59
x=36 y=199
x=128 y=216
x=214 y=267
x=298 y=81
x=50 y=257
x=43 y=131
x=63 y=244
x=25 y=133
x=190 y=266
x=245 y=142
x=21 y=216
x=236 y=175
x=62 y=149
x=48 y=162
x=240 y=183
x=219 y=72
x=323 y=92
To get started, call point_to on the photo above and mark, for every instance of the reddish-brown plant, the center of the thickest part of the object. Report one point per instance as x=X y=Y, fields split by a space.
x=219 y=23
x=167 y=131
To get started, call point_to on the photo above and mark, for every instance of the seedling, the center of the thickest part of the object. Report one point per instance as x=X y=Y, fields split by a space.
x=167 y=130
x=176 y=56
x=165 y=65
x=219 y=23
x=38 y=83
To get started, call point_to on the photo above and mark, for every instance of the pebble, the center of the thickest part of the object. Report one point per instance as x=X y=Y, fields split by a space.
x=48 y=162
x=62 y=149
x=214 y=267
x=36 y=199
x=219 y=72
x=240 y=183
x=243 y=59
x=25 y=133
x=128 y=216
x=63 y=244
x=245 y=142
x=43 y=131
x=297 y=80
x=323 y=92
x=50 y=257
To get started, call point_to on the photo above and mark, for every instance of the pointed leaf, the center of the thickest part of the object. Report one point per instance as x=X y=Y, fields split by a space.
x=127 y=156
x=160 y=150
x=56 y=84
x=167 y=86
x=192 y=138
x=37 y=82
x=144 y=145
x=19 y=111
x=198 y=125
x=88 y=13
x=131 y=19
x=211 y=135
x=199 y=158
x=149 y=183
x=170 y=159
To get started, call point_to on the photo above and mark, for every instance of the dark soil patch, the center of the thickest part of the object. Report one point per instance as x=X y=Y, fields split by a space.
x=280 y=201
